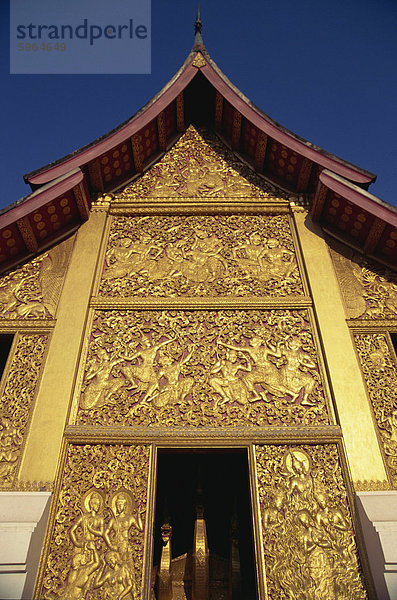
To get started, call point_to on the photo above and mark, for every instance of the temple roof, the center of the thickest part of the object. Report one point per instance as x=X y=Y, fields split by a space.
x=199 y=94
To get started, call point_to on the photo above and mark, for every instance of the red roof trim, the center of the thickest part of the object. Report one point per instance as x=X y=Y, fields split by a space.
x=119 y=136
x=42 y=197
x=359 y=197
x=276 y=133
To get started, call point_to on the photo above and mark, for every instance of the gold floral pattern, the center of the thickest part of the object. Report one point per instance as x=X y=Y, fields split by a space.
x=380 y=374
x=17 y=400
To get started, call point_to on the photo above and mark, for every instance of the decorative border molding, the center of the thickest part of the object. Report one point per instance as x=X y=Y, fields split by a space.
x=199 y=436
x=200 y=303
x=183 y=205
x=372 y=326
x=371 y=486
x=26 y=326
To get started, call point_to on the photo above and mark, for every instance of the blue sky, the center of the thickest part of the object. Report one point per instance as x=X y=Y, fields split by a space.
x=325 y=69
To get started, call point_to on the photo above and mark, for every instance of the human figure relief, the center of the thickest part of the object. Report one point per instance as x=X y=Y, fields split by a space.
x=315 y=546
x=391 y=421
x=252 y=254
x=22 y=298
x=225 y=379
x=101 y=386
x=300 y=481
x=143 y=369
x=84 y=534
x=277 y=261
x=9 y=295
x=129 y=257
x=10 y=440
x=117 y=533
x=89 y=527
x=80 y=576
x=272 y=514
x=335 y=525
x=263 y=372
x=206 y=262
x=176 y=388
x=117 y=538
x=168 y=263
x=116 y=578
x=294 y=374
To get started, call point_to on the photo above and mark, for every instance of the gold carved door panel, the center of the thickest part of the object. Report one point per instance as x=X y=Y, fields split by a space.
x=96 y=537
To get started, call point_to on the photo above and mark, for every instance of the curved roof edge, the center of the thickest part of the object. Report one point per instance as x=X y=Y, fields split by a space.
x=65 y=188
x=177 y=84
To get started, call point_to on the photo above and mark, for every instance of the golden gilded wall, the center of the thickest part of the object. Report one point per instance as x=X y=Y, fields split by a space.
x=369 y=292
x=29 y=296
x=200 y=332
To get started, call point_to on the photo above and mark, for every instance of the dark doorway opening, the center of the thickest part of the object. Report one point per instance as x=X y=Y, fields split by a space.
x=219 y=482
x=5 y=347
x=394 y=341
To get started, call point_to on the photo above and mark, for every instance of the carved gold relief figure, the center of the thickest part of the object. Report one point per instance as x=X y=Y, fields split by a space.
x=32 y=291
x=369 y=290
x=202 y=368
x=18 y=395
x=97 y=537
x=200 y=256
x=380 y=373
x=101 y=386
x=303 y=499
x=199 y=165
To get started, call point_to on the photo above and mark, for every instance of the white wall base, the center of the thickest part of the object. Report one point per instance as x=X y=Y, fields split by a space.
x=378 y=516
x=23 y=518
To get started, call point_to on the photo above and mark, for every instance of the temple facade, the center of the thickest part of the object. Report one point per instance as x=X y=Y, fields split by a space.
x=198 y=318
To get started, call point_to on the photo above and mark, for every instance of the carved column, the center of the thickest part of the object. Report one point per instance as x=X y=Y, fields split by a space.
x=45 y=436
x=354 y=413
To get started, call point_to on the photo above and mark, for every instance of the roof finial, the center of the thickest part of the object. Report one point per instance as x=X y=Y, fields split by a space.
x=198 y=40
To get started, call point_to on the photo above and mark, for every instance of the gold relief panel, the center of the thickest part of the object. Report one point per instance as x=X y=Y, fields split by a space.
x=200 y=256
x=380 y=373
x=32 y=291
x=201 y=368
x=308 y=540
x=95 y=540
x=20 y=384
x=199 y=165
x=369 y=290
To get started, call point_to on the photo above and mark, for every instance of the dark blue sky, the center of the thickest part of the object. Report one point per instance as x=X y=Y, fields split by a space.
x=325 y=69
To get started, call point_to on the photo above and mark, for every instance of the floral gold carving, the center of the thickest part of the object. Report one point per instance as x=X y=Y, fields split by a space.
x=380 y=374
x=18 y=395
x=199 y=166
x=202 y=368
x=308 y=539
x=168 y=256
x=32 y=291
x=97 y=540
x=369 y=290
